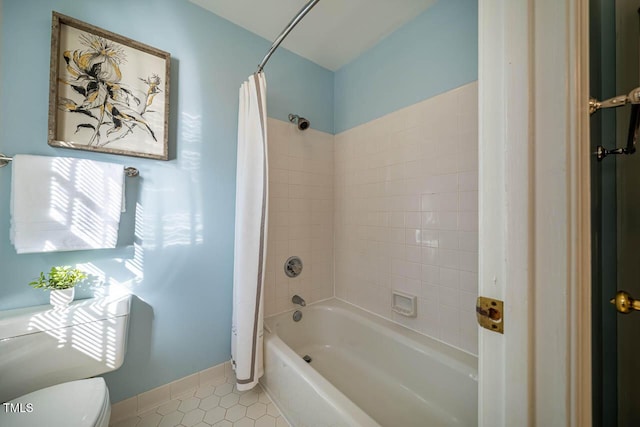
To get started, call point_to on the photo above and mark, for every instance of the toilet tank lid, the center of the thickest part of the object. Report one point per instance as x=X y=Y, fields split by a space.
x=30 y=320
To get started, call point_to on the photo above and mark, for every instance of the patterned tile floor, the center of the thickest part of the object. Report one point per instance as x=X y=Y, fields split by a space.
x=218 y=404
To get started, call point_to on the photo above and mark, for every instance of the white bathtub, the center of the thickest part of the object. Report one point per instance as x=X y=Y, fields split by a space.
x=365 y=371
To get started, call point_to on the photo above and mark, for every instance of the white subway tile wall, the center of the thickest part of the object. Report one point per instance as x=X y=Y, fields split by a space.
x=300 y=214
x=406 y=214
x=402 y=194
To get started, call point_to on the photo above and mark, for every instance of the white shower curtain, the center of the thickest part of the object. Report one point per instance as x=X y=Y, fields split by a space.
x=251 y=233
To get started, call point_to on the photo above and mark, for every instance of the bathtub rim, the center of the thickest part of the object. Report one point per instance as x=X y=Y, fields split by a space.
x=457 y=358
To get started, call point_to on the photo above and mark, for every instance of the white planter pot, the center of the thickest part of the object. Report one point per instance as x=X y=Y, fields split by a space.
x=61 y=297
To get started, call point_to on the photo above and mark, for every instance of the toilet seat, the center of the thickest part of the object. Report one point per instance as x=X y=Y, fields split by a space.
x=82 y=403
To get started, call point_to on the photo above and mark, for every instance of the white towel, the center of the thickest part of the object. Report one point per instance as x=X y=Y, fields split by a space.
x=64 y=204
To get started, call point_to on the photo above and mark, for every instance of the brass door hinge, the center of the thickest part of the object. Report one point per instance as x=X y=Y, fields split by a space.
x=490 y=314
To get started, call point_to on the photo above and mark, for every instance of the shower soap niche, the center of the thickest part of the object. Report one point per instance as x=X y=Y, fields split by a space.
x=404 y=304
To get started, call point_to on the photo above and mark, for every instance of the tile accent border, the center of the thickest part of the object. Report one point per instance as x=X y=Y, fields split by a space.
x=153 y=398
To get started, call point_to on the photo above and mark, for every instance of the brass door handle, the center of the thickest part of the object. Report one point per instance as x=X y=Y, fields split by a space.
x=625 y=303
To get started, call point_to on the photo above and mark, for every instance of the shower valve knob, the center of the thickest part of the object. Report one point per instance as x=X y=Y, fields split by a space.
x=293 y=266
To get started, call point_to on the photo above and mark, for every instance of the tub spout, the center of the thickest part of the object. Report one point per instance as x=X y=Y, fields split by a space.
x=297 y=299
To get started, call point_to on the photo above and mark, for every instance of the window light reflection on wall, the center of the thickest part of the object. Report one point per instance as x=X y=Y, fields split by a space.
x=89 y=337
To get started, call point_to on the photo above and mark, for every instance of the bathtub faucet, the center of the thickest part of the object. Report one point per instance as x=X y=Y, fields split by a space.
x=297 y=299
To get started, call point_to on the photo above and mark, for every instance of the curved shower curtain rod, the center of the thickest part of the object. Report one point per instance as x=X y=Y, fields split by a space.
x=305 y=9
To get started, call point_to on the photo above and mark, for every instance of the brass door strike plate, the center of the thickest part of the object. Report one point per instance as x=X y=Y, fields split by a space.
x=490 y=314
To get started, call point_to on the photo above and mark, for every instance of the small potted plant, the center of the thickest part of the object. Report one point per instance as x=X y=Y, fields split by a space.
x=61 y=281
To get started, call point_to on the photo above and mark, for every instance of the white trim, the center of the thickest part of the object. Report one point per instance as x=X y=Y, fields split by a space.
x=534 y=212
x=580 y=239
x=505 y=199
x=562 y=222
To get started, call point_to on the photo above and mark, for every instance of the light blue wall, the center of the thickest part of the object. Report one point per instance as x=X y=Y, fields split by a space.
x=181 y=265
x=434 y=53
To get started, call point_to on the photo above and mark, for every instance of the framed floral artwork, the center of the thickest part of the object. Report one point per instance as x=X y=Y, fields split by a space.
x=107 y=93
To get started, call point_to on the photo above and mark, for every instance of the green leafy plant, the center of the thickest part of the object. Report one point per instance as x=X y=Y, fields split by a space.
x=60 y=277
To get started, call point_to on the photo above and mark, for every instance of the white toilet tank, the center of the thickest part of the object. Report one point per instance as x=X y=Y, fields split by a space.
x=41 y=346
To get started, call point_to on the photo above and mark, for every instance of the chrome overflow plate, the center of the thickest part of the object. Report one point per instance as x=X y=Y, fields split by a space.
x=293 y=266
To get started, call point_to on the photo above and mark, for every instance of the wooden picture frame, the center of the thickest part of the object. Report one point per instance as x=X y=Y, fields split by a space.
x=107 y=93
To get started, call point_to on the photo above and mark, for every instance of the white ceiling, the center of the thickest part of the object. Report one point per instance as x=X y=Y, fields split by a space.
x=332 y=34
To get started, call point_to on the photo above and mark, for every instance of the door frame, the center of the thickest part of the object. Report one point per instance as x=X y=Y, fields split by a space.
x=534 y=195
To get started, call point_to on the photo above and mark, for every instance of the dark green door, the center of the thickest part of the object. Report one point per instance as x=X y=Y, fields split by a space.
x=602 y=69
x=615 y=182
x=628 y=218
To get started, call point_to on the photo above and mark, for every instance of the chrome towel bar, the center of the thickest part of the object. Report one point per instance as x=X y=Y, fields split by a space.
x=129 y=171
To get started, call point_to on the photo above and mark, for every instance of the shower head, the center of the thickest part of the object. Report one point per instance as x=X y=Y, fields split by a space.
x=300 y=121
